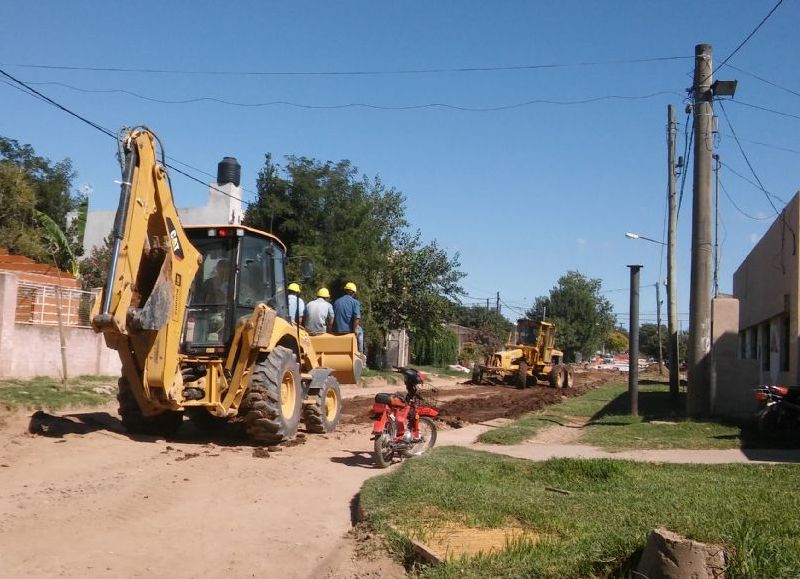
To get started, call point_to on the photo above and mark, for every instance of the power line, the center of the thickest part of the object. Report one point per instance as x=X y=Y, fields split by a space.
x=745 y=41
x=739 y=209
x=33 y=92
x=766 y=109
x=349 y=72
x=754 y=184
x=764 y=80
x=432 y=105
x=688 y=141
x=762 y=144
x=746 y=159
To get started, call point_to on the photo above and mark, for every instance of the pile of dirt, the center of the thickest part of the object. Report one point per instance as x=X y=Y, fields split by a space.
x=476 y=404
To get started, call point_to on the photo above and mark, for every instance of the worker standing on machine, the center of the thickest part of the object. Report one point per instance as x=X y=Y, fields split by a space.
x=347 y=314
x=319 y=313
x=297 y=307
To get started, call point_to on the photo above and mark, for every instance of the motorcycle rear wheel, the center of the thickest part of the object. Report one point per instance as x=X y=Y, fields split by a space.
x=384 y=451
x=427 y=432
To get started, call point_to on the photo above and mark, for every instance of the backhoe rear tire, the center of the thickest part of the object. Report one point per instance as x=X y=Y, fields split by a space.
x=272 y=404
x=165 y=424
x=323 y=415
x=557 y=376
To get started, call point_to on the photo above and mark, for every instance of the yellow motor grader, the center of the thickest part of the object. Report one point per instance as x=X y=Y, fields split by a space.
x=200 y=318
x=529 y=358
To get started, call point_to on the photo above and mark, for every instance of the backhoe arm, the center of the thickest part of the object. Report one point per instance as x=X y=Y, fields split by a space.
x=142 y=306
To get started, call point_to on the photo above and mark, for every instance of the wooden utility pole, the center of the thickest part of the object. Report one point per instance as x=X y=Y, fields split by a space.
x=658 y=329
x=633 y=350
x=672 y=288
x=700 y=291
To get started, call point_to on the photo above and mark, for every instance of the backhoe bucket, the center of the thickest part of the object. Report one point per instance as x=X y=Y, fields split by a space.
x=340 y=353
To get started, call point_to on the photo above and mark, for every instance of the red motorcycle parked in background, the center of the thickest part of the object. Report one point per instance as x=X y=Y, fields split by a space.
x=402 y=427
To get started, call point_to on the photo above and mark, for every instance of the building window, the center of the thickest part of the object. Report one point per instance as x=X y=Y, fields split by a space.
x=784 y=343
x=753 y=342
x=743 y=344
x=765 y=346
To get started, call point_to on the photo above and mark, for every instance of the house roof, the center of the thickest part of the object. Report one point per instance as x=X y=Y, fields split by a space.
x=32 y=271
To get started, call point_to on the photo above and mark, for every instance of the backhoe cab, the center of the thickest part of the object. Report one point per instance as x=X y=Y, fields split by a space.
x=529 y=356
x=200 y=318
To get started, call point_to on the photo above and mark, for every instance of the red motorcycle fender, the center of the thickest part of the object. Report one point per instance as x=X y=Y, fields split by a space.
x=379 y=424
x=427 y=411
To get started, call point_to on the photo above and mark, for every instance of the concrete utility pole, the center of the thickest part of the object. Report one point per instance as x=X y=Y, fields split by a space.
x=672 y=288
x=700 y=291
x=497 y=303
x=633 y=350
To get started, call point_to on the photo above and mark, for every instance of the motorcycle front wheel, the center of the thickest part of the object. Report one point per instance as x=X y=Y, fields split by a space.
x=769 y=422
x=427 y=434
x=384 y=451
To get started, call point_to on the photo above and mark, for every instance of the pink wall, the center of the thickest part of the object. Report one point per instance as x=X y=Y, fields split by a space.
x=29 y=350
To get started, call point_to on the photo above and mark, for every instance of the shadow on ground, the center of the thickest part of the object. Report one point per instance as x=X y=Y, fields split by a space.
x=659 y=405
x=57 y=426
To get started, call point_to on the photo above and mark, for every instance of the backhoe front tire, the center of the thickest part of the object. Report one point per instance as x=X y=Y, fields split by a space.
x=323 y=415
x=165 y=424
x=272 y=404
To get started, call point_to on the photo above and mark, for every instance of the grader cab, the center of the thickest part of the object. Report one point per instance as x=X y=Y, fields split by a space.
x=530 y=356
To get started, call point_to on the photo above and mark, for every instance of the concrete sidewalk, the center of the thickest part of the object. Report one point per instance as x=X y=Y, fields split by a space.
x=532 y=450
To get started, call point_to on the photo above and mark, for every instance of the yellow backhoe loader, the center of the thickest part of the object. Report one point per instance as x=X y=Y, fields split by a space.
x=529 y=358
x=200 y=318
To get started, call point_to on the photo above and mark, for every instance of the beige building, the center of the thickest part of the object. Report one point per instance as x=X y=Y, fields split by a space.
x=766 y=285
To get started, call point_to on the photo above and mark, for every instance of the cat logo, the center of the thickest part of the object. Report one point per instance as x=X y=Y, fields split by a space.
x=177 y=250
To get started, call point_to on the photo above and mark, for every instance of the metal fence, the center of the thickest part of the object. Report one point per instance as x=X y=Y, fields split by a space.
x=39 y=304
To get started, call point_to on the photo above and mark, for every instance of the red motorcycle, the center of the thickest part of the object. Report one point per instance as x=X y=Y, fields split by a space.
x=402 y=427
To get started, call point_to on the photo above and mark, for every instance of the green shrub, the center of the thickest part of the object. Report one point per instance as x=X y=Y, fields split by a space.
x=434 y=348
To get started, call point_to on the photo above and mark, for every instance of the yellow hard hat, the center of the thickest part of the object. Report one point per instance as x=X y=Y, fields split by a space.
x=350 y=286
x=323 y=293
x=294 y=287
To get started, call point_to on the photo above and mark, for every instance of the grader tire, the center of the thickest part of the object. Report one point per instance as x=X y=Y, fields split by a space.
x=323 y=415
x=272 y=404
x=557 y=376
x=165 y=424
x=569 y=377
x=477 y=374
x=522 y=375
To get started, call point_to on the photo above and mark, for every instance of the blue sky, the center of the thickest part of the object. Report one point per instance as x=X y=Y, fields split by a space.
x=524 y=194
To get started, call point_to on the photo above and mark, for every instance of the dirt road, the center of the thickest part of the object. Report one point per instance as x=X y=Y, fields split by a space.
x=87 y=500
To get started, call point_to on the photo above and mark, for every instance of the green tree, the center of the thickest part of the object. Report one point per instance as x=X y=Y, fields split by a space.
x=617 y=341
x=94 y=267
x=45 y=218
x=583 y=317
x=355 y=229
x=492 y=328
x=648 y=339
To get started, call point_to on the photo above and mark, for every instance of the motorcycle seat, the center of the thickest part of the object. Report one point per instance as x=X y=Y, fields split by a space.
x=390 y=399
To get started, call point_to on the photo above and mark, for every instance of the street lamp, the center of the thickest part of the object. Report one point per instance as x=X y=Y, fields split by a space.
x=630 y=235
x=672 y=314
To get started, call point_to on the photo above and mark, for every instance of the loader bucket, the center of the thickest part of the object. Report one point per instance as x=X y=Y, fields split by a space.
x=339 y=353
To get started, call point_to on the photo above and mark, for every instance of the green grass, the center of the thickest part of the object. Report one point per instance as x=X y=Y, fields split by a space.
x=594 y=531
x=48 y=393
x=612 y=428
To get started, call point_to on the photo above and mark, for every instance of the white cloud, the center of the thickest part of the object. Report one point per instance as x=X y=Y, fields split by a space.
x=754 y=237
x=581 y=241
